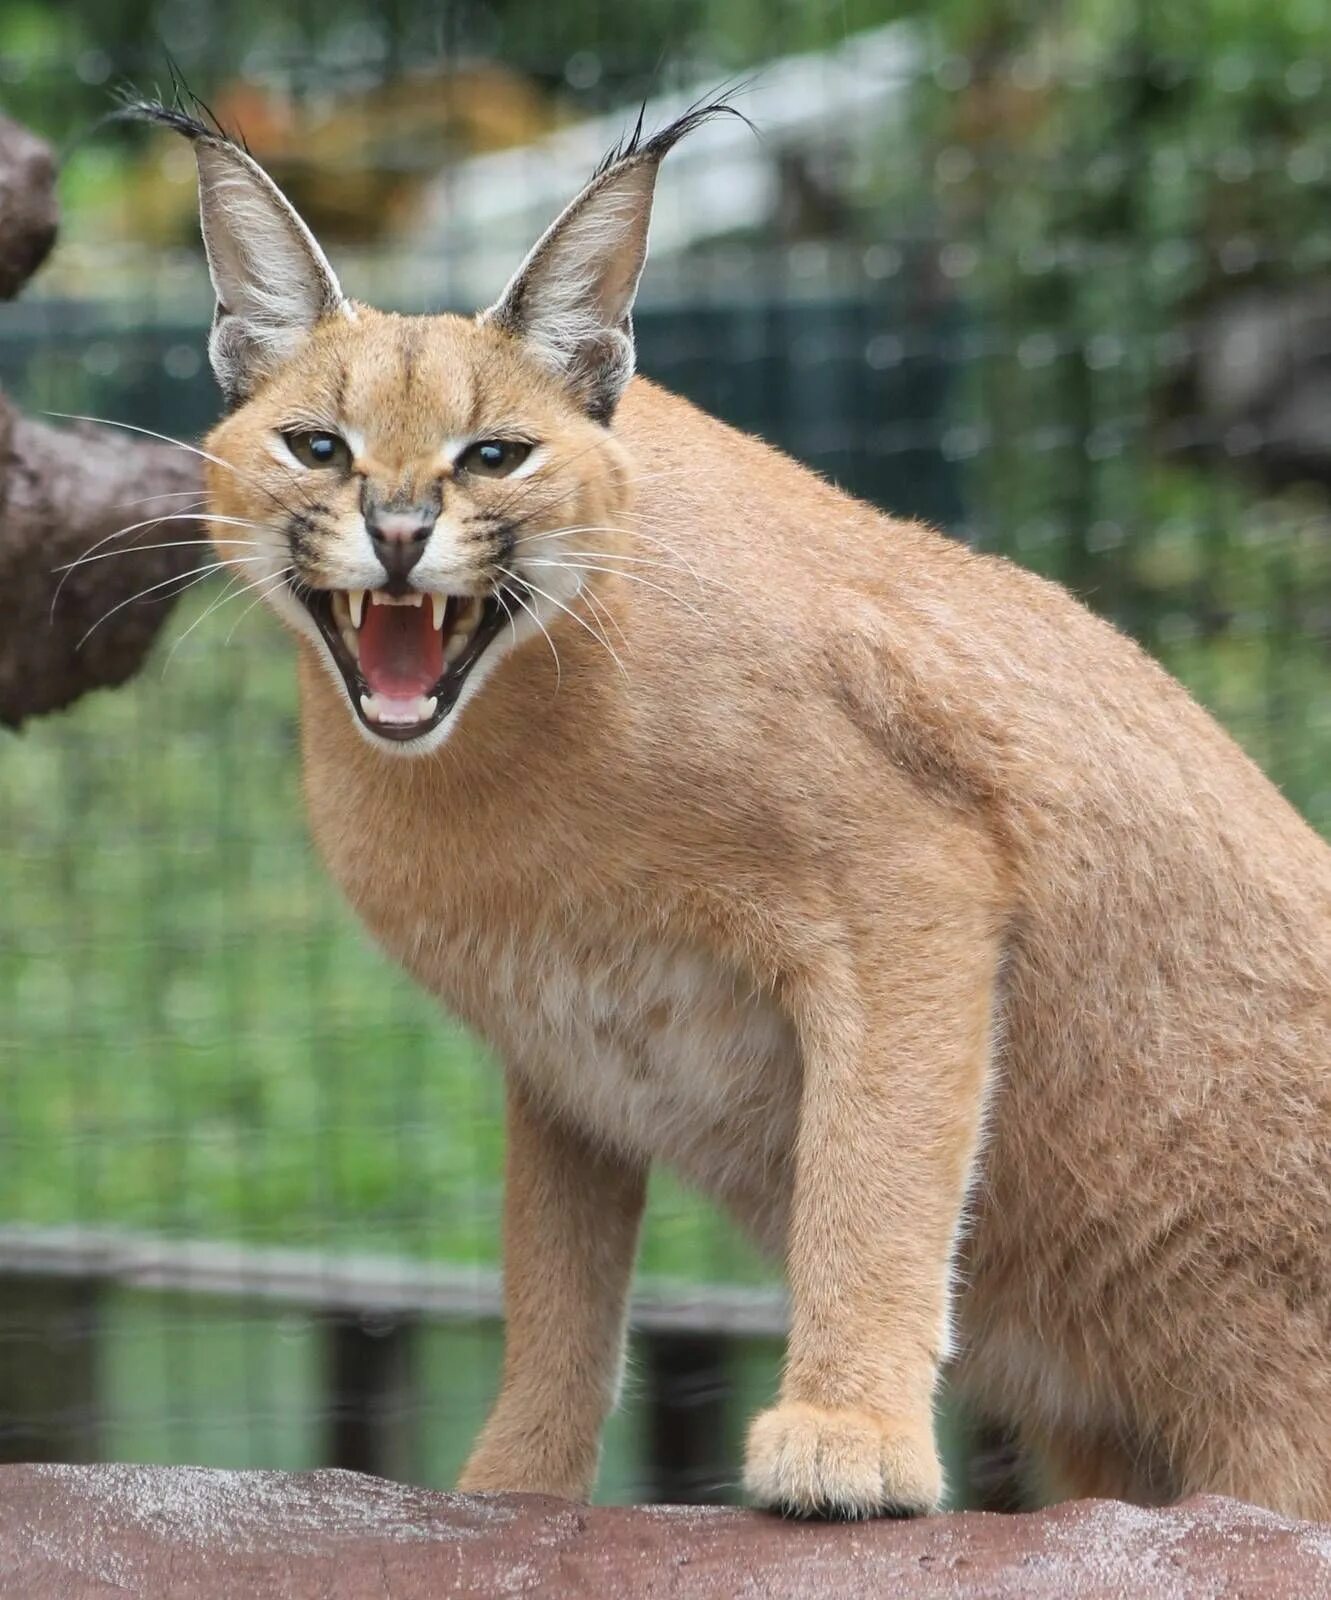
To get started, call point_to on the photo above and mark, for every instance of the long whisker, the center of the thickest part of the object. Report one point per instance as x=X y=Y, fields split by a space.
x=601 y=610
x=643 y=529
x=118 y=533
x=559 y=671
x=629 y=577
x=191 y=577
x=628 y=533
x=162 y=494
x=617 y=555
x=664 y=544
x=582 y=623
x=203 y=455
x=279 y=579
x=146 y=549
x=556 y=533
x=148 y=522
x=633 y=561
x=512 y=626
x=229 y=592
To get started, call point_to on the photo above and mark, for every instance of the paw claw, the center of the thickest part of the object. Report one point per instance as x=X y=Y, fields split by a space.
x=807 y=1461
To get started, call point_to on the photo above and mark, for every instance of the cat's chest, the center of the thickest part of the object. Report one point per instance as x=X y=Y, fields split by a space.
x=660 y=1048
x=637 y=1034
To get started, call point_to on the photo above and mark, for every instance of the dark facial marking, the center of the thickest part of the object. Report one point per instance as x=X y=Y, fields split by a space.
x=411 y=347
x=302 y=530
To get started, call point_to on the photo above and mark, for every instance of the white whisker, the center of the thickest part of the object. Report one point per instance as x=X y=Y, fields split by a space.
x=512 y=626
x=145 y=549
x=193 y=449
x=192 y=578
x=228 y=592
x=635 y=561
x=601 y=609
x=628 y=533
x=582 y=623
x=278 y=580
x=559 y=671
x=165 y=494
x=90 y=554
x=117 y=533
x=629 y=577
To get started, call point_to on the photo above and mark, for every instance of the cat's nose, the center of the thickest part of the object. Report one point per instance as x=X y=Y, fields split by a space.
x=399 y=539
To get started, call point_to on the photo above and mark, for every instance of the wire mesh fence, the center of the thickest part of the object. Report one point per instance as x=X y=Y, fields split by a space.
x=1063 y=289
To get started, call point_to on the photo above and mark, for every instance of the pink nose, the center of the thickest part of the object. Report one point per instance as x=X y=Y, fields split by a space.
x=399 y=527
x=399 y=540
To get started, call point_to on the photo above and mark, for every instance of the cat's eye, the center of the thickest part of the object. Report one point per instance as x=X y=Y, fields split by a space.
x=493 y=458
x=319 y=449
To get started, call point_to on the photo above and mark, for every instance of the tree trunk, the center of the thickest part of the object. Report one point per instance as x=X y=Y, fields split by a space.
x=63 y=490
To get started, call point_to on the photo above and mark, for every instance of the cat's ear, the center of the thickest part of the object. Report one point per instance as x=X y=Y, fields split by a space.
x=273 y=282
x=570 y=302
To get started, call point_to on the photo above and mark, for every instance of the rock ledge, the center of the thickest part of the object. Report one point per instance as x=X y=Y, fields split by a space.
x=198 y=1534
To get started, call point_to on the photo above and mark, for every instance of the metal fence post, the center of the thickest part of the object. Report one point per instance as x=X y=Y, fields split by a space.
x=372 y=1393
x=686 y=1388
x=48 y=1367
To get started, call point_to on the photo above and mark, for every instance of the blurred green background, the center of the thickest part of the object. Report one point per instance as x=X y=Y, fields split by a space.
x=1057 y=278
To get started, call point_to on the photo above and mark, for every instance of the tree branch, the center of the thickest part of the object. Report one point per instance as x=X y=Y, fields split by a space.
x=62 y=490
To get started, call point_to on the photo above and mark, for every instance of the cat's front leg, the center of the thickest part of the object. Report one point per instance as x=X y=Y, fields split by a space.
x=571 y=1217
x=895 y=1056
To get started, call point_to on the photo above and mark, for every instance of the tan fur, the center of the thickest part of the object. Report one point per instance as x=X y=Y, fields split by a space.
x=889 y=896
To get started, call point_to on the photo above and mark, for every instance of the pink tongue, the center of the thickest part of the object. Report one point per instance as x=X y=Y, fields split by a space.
x=401 y=651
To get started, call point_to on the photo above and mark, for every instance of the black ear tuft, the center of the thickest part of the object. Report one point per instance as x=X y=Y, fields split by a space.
x=134 y=109
x=659 y=144
x=186 y=113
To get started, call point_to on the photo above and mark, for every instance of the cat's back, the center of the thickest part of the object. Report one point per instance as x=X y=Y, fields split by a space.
x=1037 y=710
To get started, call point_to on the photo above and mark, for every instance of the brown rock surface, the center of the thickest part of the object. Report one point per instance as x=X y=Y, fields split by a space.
x=195 y=1534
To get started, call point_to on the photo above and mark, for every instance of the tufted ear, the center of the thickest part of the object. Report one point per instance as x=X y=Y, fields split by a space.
x=570 y=301
x=273 y=282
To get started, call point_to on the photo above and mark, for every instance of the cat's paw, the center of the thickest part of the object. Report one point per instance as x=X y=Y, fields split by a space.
x=809 y=1462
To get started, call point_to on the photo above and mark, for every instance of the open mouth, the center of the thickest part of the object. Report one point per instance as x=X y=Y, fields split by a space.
x=404 y=658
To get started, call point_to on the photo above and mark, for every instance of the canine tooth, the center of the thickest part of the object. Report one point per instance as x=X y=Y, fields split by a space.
x=369 y=704
x=457 y=643
x=438 y=605
x=356 y=605
x=427 y=705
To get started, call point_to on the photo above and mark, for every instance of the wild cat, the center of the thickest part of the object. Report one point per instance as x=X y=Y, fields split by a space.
x=874 y=885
